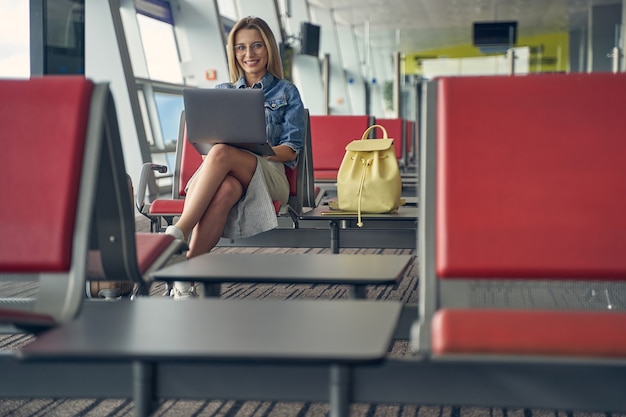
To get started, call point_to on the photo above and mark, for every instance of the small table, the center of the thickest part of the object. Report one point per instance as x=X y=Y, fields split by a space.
x=332 y=334
x=357 y=271
x=403 y=224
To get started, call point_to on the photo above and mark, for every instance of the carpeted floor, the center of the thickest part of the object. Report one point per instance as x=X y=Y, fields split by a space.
x=405 y=291
x=217 y=408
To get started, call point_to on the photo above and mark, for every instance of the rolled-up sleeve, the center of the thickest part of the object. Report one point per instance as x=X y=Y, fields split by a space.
x=294 y=121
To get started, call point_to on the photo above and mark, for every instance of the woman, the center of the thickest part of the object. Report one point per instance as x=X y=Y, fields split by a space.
x=231 y=193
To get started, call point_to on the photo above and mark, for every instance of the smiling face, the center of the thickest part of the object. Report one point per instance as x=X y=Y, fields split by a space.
x=251 y=54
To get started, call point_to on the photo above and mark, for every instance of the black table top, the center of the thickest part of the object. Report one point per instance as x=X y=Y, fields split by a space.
x=349 y=269
x=164 y=329
x=324 y=212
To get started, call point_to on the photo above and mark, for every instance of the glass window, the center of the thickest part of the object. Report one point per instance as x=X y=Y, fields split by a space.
x=169 y=106
x=159 y=46
x=14 y=39
x=227 y=9
x=64 y=44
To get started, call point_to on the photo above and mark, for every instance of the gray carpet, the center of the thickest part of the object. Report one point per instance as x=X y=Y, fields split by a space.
x=405 y=291
x=178 y=408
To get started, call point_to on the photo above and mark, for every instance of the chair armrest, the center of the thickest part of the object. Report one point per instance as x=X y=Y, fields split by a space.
x=147 y=173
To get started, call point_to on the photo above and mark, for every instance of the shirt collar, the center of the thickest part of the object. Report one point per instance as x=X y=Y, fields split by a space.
x=265 y=82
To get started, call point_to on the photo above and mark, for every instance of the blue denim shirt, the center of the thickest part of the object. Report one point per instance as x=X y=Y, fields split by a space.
x=284 y=112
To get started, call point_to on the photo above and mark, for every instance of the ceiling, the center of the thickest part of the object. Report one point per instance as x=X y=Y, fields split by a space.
x=410 y=26
x=414 y=25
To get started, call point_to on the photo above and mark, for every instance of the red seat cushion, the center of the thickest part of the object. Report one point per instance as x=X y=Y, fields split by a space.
x=545 y=332
x=167 y=207
x=149 y=247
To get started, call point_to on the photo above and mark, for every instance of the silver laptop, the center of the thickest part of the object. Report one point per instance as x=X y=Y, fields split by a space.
x=232 y=116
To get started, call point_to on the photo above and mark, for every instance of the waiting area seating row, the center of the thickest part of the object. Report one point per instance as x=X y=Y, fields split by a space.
x=319 y=163
x=521 y=202
x=304 y=219
x=331 y=133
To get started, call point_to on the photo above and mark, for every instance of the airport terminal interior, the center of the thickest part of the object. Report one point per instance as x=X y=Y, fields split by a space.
x=493 y=285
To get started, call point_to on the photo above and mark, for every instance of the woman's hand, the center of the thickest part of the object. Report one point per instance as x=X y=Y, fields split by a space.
x=283 y=154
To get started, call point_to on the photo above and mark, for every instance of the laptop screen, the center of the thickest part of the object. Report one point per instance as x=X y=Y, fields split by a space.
x=232 y=116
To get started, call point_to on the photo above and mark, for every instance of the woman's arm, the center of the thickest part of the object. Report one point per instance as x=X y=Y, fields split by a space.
x=293 y=127
x=284 y=153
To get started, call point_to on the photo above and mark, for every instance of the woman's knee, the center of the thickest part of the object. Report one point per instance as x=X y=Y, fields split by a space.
x=237 y=161
x=220 y=153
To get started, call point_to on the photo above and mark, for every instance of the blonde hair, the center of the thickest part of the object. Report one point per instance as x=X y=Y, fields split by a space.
x=274 y=63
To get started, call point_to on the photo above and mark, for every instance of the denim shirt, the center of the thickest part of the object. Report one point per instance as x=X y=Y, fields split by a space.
x=284 y=112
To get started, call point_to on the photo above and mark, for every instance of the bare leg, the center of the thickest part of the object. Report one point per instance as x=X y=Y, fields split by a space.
x=209 y=229
x=221 y=161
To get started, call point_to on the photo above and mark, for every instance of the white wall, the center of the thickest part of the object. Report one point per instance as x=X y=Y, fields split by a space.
x=351 y=59
x=308 y=78
x=201 y=42
x=306 y=70
x=103 y=63
x=338 y=102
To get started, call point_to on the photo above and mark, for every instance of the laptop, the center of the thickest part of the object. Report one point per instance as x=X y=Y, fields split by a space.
x=232 y=116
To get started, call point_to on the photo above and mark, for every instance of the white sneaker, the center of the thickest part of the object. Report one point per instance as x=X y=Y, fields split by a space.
x=184 y=290
x=176 y=232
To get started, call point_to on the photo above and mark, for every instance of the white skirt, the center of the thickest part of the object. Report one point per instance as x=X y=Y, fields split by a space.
x=254 y=213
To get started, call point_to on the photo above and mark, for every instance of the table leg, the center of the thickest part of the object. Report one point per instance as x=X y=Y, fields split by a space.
x=340 y=384
x=334 y=236
x=143 y=388
x=212 y=290
x=357 y=292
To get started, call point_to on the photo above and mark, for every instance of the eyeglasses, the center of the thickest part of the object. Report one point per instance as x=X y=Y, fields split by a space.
x=255 y=48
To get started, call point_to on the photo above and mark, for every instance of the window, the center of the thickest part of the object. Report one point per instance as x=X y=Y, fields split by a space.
x=227 y=9
x=14 y=39
x=159 y=46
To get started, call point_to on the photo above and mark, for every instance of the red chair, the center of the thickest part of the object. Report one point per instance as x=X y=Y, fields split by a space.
x=301 y=189
x=186 y=163
x=525 y=179
x=329 y=137
x=522 y=203
x=66 y=128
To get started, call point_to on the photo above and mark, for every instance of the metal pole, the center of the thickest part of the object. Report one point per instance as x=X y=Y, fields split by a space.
x=510 y=56
x=615 y=58
x=326 y=82
x=397 y=84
